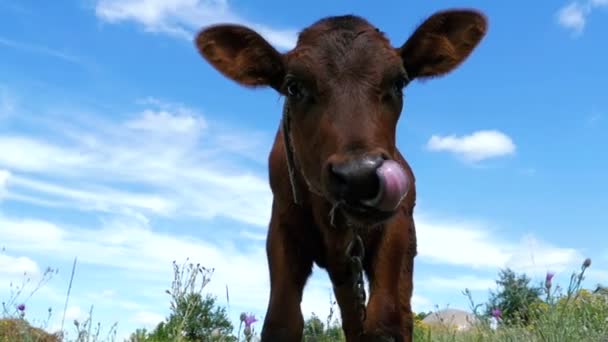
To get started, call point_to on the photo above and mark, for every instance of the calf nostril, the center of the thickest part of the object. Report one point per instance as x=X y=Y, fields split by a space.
x=356 y=180
x=338 y=178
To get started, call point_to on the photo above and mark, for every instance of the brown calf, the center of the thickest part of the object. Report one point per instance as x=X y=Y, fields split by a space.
x=343 y=195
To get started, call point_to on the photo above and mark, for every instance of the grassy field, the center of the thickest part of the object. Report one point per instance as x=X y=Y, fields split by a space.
x=583 y=317
x=557 y=315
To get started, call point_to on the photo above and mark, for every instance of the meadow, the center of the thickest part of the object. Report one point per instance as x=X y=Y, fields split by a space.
x=515 y=311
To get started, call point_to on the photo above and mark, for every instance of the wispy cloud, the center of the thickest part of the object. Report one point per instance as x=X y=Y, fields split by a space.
x=11 y=266
x=16 y=269
x=168 y=152
x=182 y=18
x=4 y=175
x=474 y=147
x=171 y=120
x=147 y=318
x=597 y=276
x=41 y=49
x=478 y=246
x=132 y=246
x=458 y=283
x=573 y=16
x=421 y=303
x=164 y=159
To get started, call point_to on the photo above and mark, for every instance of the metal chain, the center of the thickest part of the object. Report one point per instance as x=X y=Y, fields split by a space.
x=356 y=252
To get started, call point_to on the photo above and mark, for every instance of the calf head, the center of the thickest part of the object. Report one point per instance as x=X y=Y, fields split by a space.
x=343 y=84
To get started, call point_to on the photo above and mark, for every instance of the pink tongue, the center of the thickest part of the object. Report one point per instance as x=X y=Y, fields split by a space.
x=395 y=184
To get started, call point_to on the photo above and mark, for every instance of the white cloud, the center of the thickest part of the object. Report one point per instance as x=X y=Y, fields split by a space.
x=458 y=243
x=478 y=246
x=574 y=15
x=182 y=18
x=474 y=147
x=17 y=266
x=459 y=283
x=166 y=123
x=96 y=198
x=168 y=152
x=31 y=154
x=163 y=160
x=131 y=246
x=17 y=272
x=534 y=256
x=4 y=176
x=147 y=319
x=596 y=276
x=170 y=118
x=252 y=236
x=421 y=303
x=74 y=312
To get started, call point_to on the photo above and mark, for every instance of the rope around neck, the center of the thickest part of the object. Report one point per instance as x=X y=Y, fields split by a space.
x=289 y=150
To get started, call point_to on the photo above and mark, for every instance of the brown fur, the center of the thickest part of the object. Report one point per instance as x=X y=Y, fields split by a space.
x=349 y=78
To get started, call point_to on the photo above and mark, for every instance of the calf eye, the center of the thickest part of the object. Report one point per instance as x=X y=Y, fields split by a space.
x=294 y=90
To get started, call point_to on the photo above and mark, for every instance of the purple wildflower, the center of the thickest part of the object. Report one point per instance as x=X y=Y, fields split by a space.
x=496 y=313
x=548 y=279
x=21 y=307
x=249 y=320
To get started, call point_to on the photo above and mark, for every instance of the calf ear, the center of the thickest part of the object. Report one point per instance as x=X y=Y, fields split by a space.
x=242 y=55
x=442 y=42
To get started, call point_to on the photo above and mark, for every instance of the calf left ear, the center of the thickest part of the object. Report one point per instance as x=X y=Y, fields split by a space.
x=442 y=42
x=242 y=55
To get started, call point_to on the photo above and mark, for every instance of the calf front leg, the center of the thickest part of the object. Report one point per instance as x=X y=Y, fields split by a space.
x=289 y=266
x=348 y=302
x=389 y=315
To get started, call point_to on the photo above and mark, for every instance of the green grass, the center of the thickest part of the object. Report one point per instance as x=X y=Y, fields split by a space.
x=583 y=317
x=577 y=315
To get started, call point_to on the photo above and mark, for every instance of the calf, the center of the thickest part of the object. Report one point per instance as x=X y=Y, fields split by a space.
x=343 y=195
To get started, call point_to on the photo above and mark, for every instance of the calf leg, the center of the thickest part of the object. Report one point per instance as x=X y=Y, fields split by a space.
x=406 y=282
x=289 y=268
x=348 y=302
x=389 y=314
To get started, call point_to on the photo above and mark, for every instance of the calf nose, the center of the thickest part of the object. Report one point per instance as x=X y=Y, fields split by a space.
x=355 y=180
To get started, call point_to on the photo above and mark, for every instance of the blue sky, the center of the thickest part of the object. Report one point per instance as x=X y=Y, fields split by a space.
x=120 y=146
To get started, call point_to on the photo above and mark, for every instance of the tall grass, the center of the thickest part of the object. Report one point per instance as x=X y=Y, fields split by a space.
x=577 y=314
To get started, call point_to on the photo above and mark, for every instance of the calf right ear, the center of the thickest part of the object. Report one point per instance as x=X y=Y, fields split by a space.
x=242 y=55
x=442 y=42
